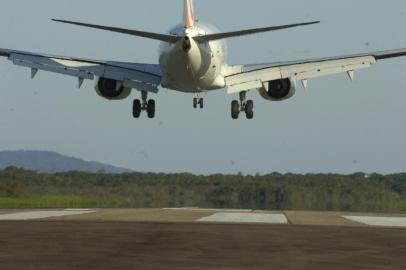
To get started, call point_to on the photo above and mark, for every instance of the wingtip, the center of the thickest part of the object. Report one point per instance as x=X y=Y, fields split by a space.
x=59 y=20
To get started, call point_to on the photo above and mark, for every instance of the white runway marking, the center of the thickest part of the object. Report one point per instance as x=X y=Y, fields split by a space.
x=209 y=209
x=379 y=221
x=246 y=218
x=42 y=214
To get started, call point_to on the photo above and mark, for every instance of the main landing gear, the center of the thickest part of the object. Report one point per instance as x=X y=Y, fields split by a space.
x=144 y=105
x=198 y=100
x=242 y=106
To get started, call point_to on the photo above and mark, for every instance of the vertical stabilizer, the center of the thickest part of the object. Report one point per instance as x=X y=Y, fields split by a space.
x=190 y=18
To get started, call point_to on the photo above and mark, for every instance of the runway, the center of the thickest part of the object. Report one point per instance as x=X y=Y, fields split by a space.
x=199 y=239
x=195 y=215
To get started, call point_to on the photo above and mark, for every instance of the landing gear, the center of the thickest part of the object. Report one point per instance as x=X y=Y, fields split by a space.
x=249 y=109
x=198 y=101
x=151 y=108
x=137 y=108
x=144 y=105
x=242 y=106
x=235 y=109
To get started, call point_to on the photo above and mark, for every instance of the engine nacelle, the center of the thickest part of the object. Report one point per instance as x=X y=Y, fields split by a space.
x=278 y=90
x=111 y=89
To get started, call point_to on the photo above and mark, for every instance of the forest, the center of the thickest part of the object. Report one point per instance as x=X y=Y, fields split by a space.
x=20 y=188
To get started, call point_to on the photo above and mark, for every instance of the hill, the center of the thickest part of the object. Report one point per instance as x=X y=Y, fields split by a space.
x=51 y=162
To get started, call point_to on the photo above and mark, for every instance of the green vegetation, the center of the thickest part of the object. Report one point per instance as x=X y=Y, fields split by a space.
x=357 y=192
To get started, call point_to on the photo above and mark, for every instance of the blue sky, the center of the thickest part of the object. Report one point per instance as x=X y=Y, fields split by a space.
x=334 y=126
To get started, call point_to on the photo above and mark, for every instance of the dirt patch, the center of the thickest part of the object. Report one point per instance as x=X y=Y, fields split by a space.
x=129 y=245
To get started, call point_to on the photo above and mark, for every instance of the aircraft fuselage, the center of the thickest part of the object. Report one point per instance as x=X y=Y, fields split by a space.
x=189 y=66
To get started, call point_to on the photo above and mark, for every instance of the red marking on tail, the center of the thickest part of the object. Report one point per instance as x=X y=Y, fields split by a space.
x=190 y=18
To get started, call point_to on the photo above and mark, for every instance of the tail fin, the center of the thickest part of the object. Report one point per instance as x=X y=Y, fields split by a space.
x=189 y=14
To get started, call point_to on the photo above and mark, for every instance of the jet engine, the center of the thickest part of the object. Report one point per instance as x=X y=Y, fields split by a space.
x=278 y=90
x=111 y=89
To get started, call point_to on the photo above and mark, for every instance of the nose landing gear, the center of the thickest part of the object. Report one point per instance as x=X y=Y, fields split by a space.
x=144 y=105
x=242 y=106
x=198 y=100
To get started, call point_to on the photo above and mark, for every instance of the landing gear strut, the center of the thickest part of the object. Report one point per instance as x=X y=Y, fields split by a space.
x=198 y=100
x=144 y=105
x=242 y=106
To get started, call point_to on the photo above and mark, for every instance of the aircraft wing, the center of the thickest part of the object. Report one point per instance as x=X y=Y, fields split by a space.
x=146 y=77
x=243 y=78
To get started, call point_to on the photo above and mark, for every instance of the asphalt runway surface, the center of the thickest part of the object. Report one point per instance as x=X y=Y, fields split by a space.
x=109 y=242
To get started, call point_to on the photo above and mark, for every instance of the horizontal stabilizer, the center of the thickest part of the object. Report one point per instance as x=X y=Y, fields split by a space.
x=212 y=37
x=161 y=37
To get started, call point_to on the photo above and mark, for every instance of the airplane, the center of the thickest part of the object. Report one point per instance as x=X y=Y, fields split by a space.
x=193 y=60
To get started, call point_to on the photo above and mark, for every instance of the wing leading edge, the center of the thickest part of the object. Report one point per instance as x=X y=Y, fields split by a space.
x=146 y=77
x=212 y=37
x=255 y=76
x=190 y=21
x=150 y=35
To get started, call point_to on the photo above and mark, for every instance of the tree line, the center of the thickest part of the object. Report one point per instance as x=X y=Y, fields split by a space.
x=317 y=192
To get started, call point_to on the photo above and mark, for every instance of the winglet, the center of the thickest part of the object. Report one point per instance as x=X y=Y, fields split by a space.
x=189 y=14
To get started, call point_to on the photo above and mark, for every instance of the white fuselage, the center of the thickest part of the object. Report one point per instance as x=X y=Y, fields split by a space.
x=200 y=68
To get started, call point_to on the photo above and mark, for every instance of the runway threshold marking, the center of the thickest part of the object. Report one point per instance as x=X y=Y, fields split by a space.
x=246 y=218
x=32 y=215
x=379 y=221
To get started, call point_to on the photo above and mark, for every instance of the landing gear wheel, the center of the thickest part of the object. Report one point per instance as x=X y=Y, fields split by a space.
x=201 y=103
x=137 y=108
x=235 y=109
x=249 y=109
x=151 y=108
x=195 y=103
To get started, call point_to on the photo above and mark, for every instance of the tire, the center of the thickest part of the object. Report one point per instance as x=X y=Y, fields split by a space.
x=137 y=108
x=195 y=103
x=235 y=109
x=151 y=108
x=201 y=103
x=249 y=109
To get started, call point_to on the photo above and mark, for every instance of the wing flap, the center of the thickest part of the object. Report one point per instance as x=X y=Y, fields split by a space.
x=64 y=67
x=239 y=87
x=318 y=69
x=144 y=77
x=263 y=75
x=299 y=70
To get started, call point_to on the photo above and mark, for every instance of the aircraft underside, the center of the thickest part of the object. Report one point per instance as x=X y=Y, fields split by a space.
x=193 y=60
